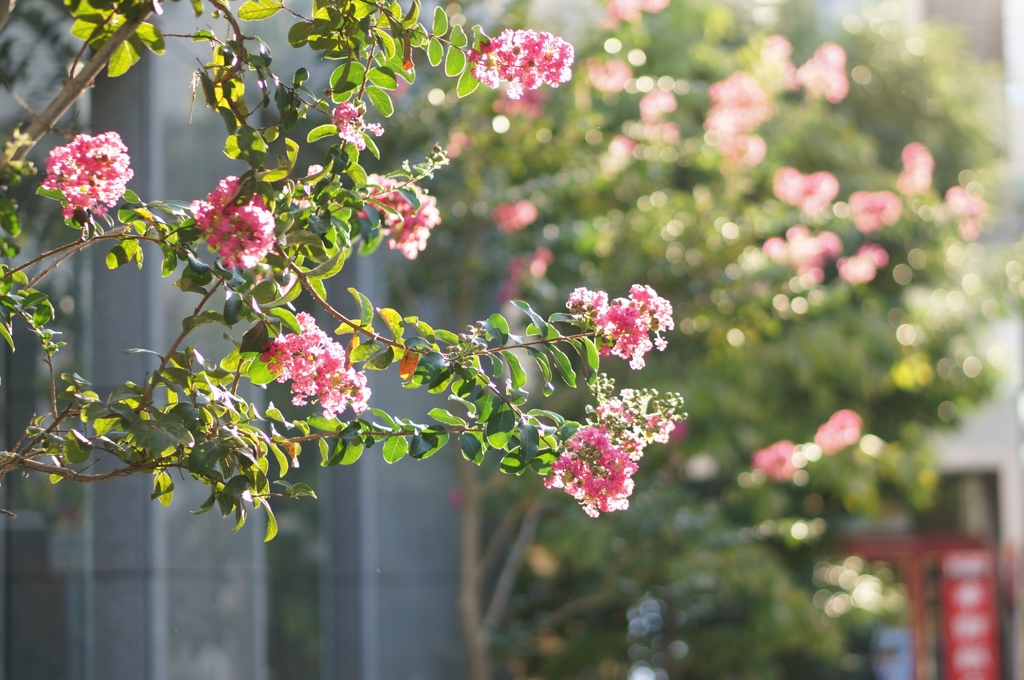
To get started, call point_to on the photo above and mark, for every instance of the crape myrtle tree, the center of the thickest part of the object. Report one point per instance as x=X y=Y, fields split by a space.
x=811 y=207
x=269 y=237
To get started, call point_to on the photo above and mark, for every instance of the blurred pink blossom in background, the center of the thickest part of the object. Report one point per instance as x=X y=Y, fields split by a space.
x=918 y=166
x=812 y=193
x=872 y=210
x=804 y=252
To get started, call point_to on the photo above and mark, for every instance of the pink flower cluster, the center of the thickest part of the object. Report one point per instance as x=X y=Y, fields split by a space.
x=776 y=460
x=91 y=172
x=812 y=193
x=842 y=429
x=864 y=266
x=608 y=76
x=872 y=210
x=804 y=252
x=242 y=233
x=624 y=325
x=918 y=166
x=351 y=126
x=594 y=471
x=630 y=10
x=824 y=74
x=600 y=459
x=535 y=265
x=969 y=210
x=776 y=68
x=407 y=228
x=512 y=217
x=655 y=104
x=739 y=105
x=525 y=59
x=317 y=367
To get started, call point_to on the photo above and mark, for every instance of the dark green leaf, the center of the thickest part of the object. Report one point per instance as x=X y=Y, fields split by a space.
x=564 y=366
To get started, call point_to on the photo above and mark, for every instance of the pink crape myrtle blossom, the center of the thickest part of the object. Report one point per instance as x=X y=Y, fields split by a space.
x=512 y=217
x=776 y=68
x=620 y=152
x=624 y=325
x=872 y=210
x=598 y=462
x=824 y=74
x=655 y=104
x=407 y=228
x=804 y=252
x=744 y=150
x=351 y=126
x=535 y=264
x=918 y=166
x=525 y=59
x=864 y=266
x=594 y=471
x=91 y=172
x=842 y=429
x=969 y=210
x=776 y=460
x=739 y=105
x=631 y=11
x=812 y=193
x=318 y=368
x=608 y=76
x=242 y=233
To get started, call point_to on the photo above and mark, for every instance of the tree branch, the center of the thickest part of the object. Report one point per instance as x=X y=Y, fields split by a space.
x=77 y=85
x=507 y=579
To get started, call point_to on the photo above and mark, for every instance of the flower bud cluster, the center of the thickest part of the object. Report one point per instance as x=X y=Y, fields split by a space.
x=318 y=369
x=624 y=325
x=408 y=228
x=525 y=59
x=599 y=461
x=242 y=232
x=91 y=172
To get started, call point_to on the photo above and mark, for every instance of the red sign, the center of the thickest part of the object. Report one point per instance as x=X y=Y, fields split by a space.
x=970 y=627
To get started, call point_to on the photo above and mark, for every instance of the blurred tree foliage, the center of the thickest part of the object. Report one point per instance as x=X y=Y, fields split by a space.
x=710 y=573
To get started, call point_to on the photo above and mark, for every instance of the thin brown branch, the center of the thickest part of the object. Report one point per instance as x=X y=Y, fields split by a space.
x=513 y=564
x=77 y=85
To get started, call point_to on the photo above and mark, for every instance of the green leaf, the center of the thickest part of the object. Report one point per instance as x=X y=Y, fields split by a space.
x=514 y=367
x=512 y=464
x=163 y=489
x=395 y=449
x=394 y=322
x=501 y=325
x=321 y=131
x=467 y=84
x=542 y=361
x=258 y=372
x=458 y=37
x=500 y=425
x=271 y=520
x=472 y=447
x=152 y=38
x=443 y=416
x=383 y=77
x=529 y=442
x=380 y=100
x=435 y=51
x=365 y=308
x=381 y=360
x=124 y=57
x=440 y=26
x=564 y=366
x=455 y=62
x=257 y=10
x=254 y=339
x=593 y=358
x=537 y=319
x=287 y=317
x=299 y=34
